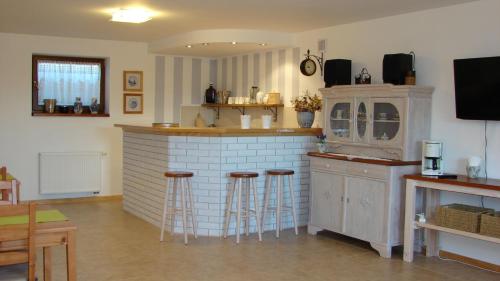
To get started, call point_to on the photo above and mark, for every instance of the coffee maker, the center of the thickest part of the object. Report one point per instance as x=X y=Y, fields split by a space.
x=432 y=158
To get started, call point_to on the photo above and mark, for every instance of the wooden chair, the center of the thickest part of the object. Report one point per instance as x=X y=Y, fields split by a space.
x=12 y=257
x=8 y=189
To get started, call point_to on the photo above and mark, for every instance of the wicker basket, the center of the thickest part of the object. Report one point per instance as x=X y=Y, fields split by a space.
x=490 y=224
x=461 y=217
x=273 y=98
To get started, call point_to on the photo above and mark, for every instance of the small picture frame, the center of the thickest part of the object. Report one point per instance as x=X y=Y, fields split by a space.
x=132 y=81
x=132 y=103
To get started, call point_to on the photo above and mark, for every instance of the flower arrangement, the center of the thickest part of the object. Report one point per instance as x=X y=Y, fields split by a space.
x=307 y=103
x=321 y=138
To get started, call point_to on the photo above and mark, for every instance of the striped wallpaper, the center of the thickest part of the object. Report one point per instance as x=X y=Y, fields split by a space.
x=183 y=80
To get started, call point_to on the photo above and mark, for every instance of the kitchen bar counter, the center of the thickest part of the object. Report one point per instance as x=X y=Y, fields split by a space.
x=220 y=131
x=211 y=153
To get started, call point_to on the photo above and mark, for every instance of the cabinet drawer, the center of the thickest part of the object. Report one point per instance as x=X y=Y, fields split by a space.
x=330 y=165
x=369 y=170
x=350 y=168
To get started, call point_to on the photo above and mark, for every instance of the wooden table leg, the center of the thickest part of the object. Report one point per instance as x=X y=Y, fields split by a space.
x=47 y=264
x=71 y=256
x=431 y=236
x=18 y=190
x=409 y=236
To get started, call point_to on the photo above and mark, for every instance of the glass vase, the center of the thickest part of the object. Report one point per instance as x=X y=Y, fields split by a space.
x=94 y=107
x=78 y=106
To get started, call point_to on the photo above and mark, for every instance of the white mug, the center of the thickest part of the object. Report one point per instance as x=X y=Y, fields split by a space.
x=246 y=120
x=230 y=100
x=267 y=121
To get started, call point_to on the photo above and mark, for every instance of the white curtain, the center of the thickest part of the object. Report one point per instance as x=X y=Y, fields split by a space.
x=64 y=81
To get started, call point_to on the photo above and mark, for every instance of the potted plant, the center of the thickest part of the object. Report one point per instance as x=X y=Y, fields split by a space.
x=321 y=143
x=306 y=106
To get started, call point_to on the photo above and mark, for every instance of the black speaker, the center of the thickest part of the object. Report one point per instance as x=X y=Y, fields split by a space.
x=337 y=72
x=395 y=68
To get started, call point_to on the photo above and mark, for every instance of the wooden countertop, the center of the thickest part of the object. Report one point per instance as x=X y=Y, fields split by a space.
x=221 y=131
x=363 y=160
x=492 y=184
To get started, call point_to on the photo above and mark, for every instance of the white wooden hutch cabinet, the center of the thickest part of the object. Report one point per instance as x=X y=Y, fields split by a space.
x=374 y=133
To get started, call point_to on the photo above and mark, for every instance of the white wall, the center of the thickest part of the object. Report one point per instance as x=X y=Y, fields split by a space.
x=437 y=36
x=22 y=136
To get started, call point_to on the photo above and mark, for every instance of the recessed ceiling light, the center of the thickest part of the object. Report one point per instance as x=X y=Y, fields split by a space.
x=263 y=44
x=188 y=46
x=234 y=43
x=131 y=15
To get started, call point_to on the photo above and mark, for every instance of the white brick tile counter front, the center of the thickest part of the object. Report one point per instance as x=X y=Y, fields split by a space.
x=148 y=154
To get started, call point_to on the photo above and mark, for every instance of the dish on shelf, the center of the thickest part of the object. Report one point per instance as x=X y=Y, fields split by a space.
x=343 y=133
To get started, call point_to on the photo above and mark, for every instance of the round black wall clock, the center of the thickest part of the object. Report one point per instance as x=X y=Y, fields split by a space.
x=308 y=66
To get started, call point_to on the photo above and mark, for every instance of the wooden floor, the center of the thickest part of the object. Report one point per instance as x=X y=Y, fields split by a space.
x=114 y=245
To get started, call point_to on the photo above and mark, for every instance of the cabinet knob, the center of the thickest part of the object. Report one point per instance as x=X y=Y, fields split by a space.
x=365 y=202
x=365 y=171
x=327 y=165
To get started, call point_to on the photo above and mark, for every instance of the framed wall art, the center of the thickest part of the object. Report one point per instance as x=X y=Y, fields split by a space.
x=132 y=81
x=132 y=103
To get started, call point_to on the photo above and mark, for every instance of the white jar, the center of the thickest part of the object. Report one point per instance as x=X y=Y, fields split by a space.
x=246 y=120
x=267 y=121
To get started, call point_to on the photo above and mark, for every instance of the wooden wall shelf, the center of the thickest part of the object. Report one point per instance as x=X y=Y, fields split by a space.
x=242 y=107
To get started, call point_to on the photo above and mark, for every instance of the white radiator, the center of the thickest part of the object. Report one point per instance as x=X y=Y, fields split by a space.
x=70 y=172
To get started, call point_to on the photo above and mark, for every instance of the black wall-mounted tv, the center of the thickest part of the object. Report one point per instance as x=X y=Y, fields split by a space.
x=477 y=88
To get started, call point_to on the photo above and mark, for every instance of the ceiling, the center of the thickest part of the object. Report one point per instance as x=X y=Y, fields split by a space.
x=90 y=19
x=214 y=49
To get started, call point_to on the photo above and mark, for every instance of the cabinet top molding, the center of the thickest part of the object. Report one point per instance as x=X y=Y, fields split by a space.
x=382 y=89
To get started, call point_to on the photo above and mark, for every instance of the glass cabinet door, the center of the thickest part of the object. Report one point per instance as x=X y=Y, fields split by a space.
x=361 y=121
x=387 y=120
x=340 y=119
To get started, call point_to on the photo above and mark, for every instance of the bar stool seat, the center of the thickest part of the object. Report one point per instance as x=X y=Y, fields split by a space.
x=180 y=179
x=243 y=175
x=280 y=172
x=178 y=174
x=280 y=175
x=245 y=181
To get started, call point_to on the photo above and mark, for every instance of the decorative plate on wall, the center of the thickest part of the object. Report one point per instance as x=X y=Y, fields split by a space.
x=132 y=103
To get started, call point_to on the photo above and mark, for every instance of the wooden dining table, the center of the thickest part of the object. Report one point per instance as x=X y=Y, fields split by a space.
x=47 y=235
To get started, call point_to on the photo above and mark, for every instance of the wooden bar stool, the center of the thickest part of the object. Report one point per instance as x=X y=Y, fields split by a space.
x=184 y=180
x=280 y=176
x=246 y=181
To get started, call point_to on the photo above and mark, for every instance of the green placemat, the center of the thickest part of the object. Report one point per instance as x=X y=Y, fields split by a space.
x=41 y=216
x=9 y=177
